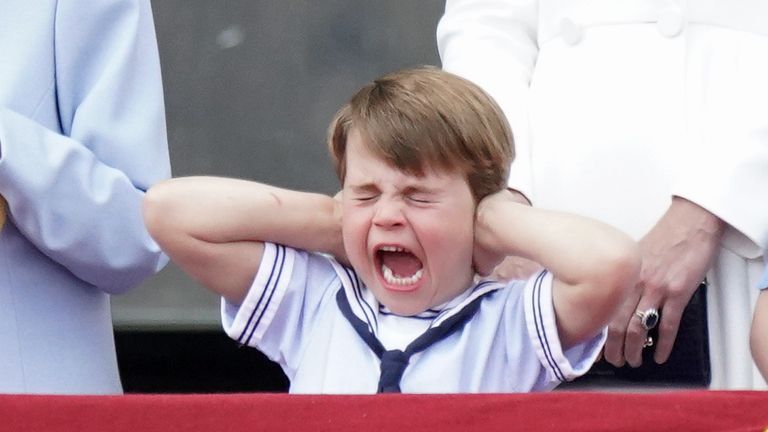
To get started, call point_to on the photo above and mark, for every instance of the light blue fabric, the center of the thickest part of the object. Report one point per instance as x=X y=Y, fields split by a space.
x=82 y=136
x=764 y=280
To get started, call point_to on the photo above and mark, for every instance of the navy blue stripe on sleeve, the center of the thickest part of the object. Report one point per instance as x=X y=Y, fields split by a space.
x=541 y=333
x=271 y=293
x=267 y=292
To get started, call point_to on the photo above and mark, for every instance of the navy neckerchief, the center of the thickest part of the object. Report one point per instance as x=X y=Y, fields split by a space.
x=394 y=362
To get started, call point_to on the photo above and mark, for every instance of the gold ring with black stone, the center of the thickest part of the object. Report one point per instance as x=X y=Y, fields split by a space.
x=648 y=318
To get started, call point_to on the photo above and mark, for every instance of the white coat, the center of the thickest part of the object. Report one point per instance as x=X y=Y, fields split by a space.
x=617 y=105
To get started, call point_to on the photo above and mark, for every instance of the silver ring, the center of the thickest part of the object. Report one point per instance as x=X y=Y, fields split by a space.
x=649 y=318
x=648 y=342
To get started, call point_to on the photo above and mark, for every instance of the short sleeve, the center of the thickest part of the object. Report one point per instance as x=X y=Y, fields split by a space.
x=286 y=298
x=542 y=331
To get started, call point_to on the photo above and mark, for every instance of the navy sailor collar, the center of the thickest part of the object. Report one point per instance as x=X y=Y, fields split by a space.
x=365 y=306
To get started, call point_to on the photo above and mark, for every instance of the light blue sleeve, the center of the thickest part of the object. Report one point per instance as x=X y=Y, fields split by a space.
x=76 y=193
x=764 y=281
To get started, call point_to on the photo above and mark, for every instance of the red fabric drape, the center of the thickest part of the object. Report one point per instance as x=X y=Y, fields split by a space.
x=556 y=411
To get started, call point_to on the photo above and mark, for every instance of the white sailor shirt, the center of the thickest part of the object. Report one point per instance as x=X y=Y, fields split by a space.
x=510 y=345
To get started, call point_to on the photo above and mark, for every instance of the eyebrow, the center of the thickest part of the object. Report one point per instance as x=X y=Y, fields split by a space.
x=364 y=188
x=420 y=189
x=371 y=187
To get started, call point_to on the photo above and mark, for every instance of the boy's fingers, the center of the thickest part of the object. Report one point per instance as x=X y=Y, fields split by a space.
x=480 y=262
x=617 y=330
x=614 y=347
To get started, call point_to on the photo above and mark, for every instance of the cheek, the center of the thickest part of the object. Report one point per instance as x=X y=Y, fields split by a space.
x=456 y=240
x=459 y=223
x=354 y=232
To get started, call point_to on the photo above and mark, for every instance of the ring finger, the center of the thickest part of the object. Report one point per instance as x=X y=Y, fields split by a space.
x=646 y=313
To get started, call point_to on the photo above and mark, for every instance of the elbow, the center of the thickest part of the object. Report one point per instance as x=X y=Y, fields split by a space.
x=146 y=258
x=157 y=212
x=758 y=346
x=758 y=337
x=621 y=272
x=151 y=209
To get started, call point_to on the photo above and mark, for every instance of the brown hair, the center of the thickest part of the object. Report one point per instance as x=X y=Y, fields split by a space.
x=426 y=117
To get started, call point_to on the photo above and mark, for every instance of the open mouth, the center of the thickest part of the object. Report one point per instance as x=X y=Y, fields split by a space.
x=400 y=268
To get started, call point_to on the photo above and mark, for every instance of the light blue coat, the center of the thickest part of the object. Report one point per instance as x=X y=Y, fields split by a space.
x=82 y=136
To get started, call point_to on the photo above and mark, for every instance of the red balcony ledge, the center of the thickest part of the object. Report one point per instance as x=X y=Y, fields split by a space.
x=557 y=411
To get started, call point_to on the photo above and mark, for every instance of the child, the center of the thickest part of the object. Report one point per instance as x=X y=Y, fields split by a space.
x=759 y=335
x=423 y=157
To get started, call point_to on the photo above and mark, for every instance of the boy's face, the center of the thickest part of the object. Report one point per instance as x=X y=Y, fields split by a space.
x=409 y=238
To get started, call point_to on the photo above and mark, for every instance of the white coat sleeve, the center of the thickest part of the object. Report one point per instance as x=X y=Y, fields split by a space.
x=725 y=169
x=493 y=44
x=76 y=193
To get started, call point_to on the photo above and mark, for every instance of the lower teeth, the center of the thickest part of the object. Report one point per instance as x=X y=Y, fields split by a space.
x=397 y=280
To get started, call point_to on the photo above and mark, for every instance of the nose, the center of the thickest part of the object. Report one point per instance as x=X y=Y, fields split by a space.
x=389 y=213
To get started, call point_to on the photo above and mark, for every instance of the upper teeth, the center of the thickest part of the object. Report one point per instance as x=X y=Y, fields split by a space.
x=397 y=280
x=392 y=249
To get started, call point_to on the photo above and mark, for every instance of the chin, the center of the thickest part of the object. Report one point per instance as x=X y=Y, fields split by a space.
x=405 y=310
x=401 y=303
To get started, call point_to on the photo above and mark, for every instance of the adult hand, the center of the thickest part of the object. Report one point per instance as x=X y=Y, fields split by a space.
x=676 y=254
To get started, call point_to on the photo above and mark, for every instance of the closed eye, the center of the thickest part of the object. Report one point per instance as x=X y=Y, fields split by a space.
x=363 y=193
x=420 y=200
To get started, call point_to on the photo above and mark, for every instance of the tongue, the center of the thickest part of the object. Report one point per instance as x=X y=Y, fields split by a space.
x=402 y=264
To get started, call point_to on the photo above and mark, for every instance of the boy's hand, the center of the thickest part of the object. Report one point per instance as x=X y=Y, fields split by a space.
x=515 y=267
x=488 y=253
x=484 y=261
x=338 y=251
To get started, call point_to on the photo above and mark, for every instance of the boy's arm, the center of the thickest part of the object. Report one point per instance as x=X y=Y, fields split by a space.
x=593 y=264
x=214 y=228
x=758 y=339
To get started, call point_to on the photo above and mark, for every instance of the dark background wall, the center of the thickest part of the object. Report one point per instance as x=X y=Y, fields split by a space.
x=250 y=87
